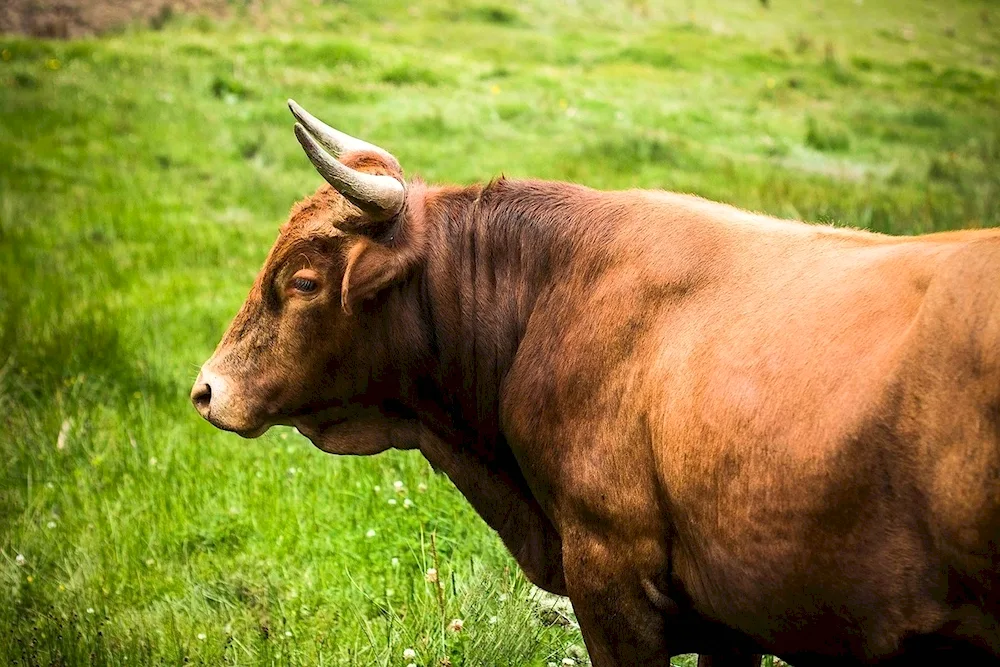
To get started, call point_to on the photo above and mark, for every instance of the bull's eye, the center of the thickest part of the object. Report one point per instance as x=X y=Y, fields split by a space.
x=303 y=284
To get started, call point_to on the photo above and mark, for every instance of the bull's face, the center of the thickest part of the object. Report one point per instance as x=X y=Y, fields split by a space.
x=295 y=354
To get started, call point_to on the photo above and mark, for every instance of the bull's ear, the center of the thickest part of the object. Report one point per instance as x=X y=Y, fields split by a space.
x=371 y=267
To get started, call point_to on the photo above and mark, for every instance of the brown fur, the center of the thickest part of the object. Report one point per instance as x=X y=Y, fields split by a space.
x=717 y=432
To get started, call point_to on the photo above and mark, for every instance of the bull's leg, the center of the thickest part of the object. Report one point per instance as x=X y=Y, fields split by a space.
x=732 y=659
x=616 y=631
x=620 y=624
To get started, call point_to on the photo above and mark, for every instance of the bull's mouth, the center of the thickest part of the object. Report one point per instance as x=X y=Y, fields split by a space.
x=313 y=424
x=249 y=426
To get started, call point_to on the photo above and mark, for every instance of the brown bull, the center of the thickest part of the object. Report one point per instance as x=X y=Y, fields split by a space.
x=717 y=432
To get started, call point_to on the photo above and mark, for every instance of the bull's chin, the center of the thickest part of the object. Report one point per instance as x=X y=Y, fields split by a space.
x=342 y=435
x=322 y=434
x=251 y=434
x=248 y=432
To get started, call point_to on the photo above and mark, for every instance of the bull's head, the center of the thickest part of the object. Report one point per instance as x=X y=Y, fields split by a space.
x=295 y=354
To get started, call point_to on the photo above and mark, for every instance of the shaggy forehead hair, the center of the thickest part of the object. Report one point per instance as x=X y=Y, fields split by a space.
x=314 y=217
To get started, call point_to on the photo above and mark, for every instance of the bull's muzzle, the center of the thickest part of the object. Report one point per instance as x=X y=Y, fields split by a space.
x=215 y=400
x=207 y=387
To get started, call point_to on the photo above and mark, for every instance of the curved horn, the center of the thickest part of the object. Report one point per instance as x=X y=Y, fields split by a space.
x=379 y=196
x=332 y=139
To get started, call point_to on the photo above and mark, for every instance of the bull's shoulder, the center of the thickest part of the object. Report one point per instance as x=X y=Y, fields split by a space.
x=950 y=405
x=958 y=328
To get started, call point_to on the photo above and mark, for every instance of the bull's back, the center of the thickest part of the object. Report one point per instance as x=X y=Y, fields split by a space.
x=742 y=385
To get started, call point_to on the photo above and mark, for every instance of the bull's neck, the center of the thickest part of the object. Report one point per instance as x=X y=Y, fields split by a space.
x=490 y=257
x=495 y=250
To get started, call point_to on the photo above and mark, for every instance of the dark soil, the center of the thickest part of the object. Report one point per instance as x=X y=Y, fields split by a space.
x=66 y=19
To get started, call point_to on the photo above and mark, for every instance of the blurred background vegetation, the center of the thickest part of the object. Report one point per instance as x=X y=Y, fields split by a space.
x=146 y=163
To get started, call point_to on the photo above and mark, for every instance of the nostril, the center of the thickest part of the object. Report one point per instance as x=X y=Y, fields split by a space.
x=201 y=396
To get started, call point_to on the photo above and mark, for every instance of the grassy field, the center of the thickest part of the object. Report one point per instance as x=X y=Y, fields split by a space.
x=142 y=179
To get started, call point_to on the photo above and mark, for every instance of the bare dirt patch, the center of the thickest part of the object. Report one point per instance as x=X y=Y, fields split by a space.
x=66 y=19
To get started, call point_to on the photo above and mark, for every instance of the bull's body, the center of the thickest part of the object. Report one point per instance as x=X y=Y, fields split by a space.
x=788 y=430
x=716 y=432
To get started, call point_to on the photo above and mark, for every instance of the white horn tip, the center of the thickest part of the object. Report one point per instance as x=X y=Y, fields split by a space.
x=297 y=110
x=302 y=134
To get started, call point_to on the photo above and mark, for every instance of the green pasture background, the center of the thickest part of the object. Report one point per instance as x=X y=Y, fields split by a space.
x=143 y=176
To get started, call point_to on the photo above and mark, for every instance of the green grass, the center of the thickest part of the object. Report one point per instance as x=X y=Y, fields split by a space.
x=142 y=179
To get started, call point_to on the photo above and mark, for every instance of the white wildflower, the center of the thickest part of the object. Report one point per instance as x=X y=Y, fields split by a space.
x=90 y=610
x=422 y=488
x=51 y=524
x=432 y=575
x=20 y=559
x=392 y=501
x=371 y=533
x=456 y=625
x=407 y=503
x=409 y=654
x=398 y=486
x=63 y=434
x=202 y=636
x=395 y=562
